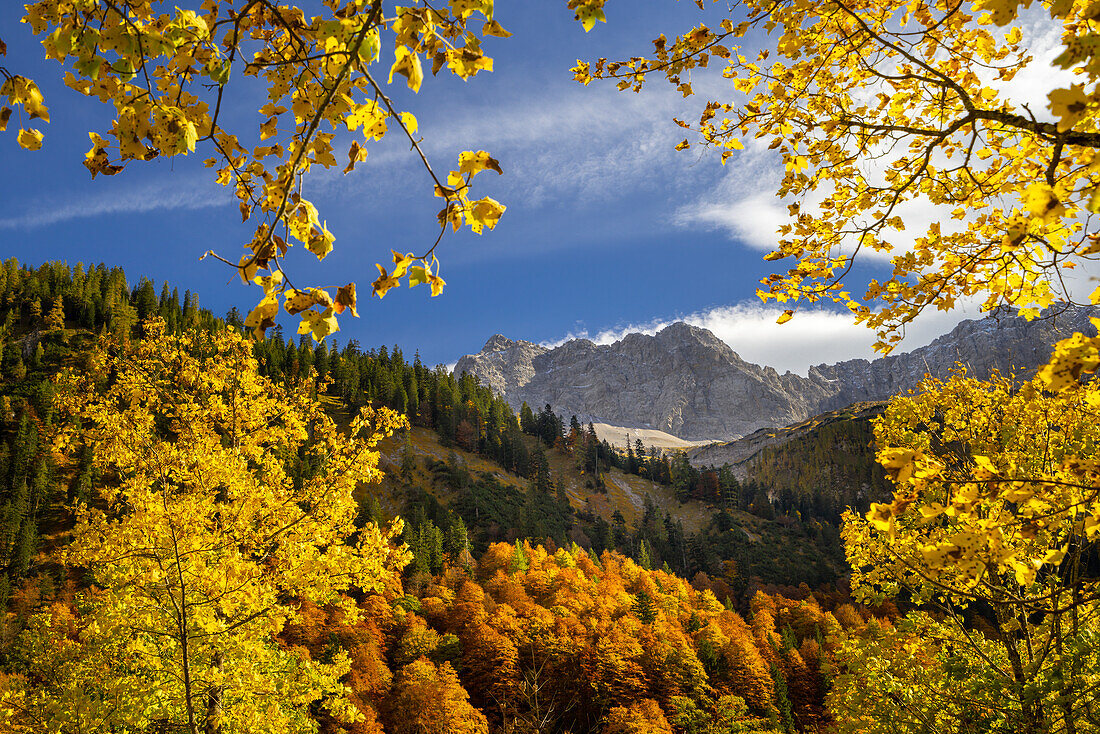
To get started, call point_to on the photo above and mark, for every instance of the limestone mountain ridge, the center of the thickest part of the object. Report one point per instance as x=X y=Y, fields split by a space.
x=687 y=382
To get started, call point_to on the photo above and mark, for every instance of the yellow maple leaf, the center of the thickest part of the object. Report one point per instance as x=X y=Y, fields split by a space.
x=1042 y=201
x=263 y=315
x=268 y=129
x=345 y=299
x=1069 y=106
x=320 y=242
x=485 y=212
x=320 y=324
x=590 y=12
x=30 y=139
x=470 y=162
x=401 y=263
x=418 y=275
x=384 y=282
x=407 y=63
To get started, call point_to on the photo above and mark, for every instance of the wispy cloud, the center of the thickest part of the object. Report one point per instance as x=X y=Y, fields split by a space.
x=177 y=193
x=813 y=337
x=560 y=144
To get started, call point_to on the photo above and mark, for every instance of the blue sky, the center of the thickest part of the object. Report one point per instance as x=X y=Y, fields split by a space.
x=608 y=228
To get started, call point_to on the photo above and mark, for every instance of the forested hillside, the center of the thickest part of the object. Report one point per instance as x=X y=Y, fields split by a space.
x=52 y=316
x=459 y=640
x=817 y=468
x=206 y=533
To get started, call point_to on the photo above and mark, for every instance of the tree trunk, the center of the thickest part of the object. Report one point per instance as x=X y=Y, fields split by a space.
x=1030 y=714
x=213 y=722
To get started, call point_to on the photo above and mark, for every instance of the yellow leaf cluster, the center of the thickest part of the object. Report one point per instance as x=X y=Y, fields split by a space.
x=994 y=487
x=171 y=73
x=881 y=108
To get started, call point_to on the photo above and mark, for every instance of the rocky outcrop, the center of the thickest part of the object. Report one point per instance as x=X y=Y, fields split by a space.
x=1003 y=342
x=503 y=364
x=685 y=381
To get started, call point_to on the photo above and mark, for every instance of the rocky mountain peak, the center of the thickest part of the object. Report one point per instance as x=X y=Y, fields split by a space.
x=498 y=343
x=686 y=381
x=671 y=381
x=503 y=364
x=685 y=333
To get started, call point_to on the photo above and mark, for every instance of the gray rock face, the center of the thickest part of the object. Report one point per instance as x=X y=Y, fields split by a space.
x=687 y=382
x=1002 y=342
x=502 y=364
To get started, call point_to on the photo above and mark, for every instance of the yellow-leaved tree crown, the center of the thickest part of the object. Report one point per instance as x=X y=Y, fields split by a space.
x=227 y=501
x=878 y=106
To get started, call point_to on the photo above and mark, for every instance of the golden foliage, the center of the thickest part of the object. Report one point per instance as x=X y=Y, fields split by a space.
x=202 y=544
x=878 y=106
x=642 y=717
x=428 y=699
x=994 y=524
x=175 y=76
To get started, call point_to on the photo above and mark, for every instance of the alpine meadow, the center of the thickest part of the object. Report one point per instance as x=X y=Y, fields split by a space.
x=212 y=527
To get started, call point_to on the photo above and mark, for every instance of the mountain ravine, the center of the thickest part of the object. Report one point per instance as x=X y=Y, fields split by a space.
x=685 y=381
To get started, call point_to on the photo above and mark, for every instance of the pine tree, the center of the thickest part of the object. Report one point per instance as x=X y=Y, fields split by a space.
x=683 y=477
x=412 y=396
x=645 y=559
x=55 y=320
x=456 y=543
x=782 y=701
x=145 y=300
x=644 y=608
x=531 y=423
x=408 y=458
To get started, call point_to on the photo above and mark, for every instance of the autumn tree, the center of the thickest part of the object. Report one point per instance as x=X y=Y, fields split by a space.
x=175 y=79
x=200 y=545
x=429 y=700
x=994 y=527
x=921 y=675
x=877 y=107
x=642 y=717
x=56 y=318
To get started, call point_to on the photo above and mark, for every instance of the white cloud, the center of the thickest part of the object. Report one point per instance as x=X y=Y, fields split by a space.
x=559 y=144
x=812 y=337
x=1043 y=40
x=744 y=202
x=174 y=193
